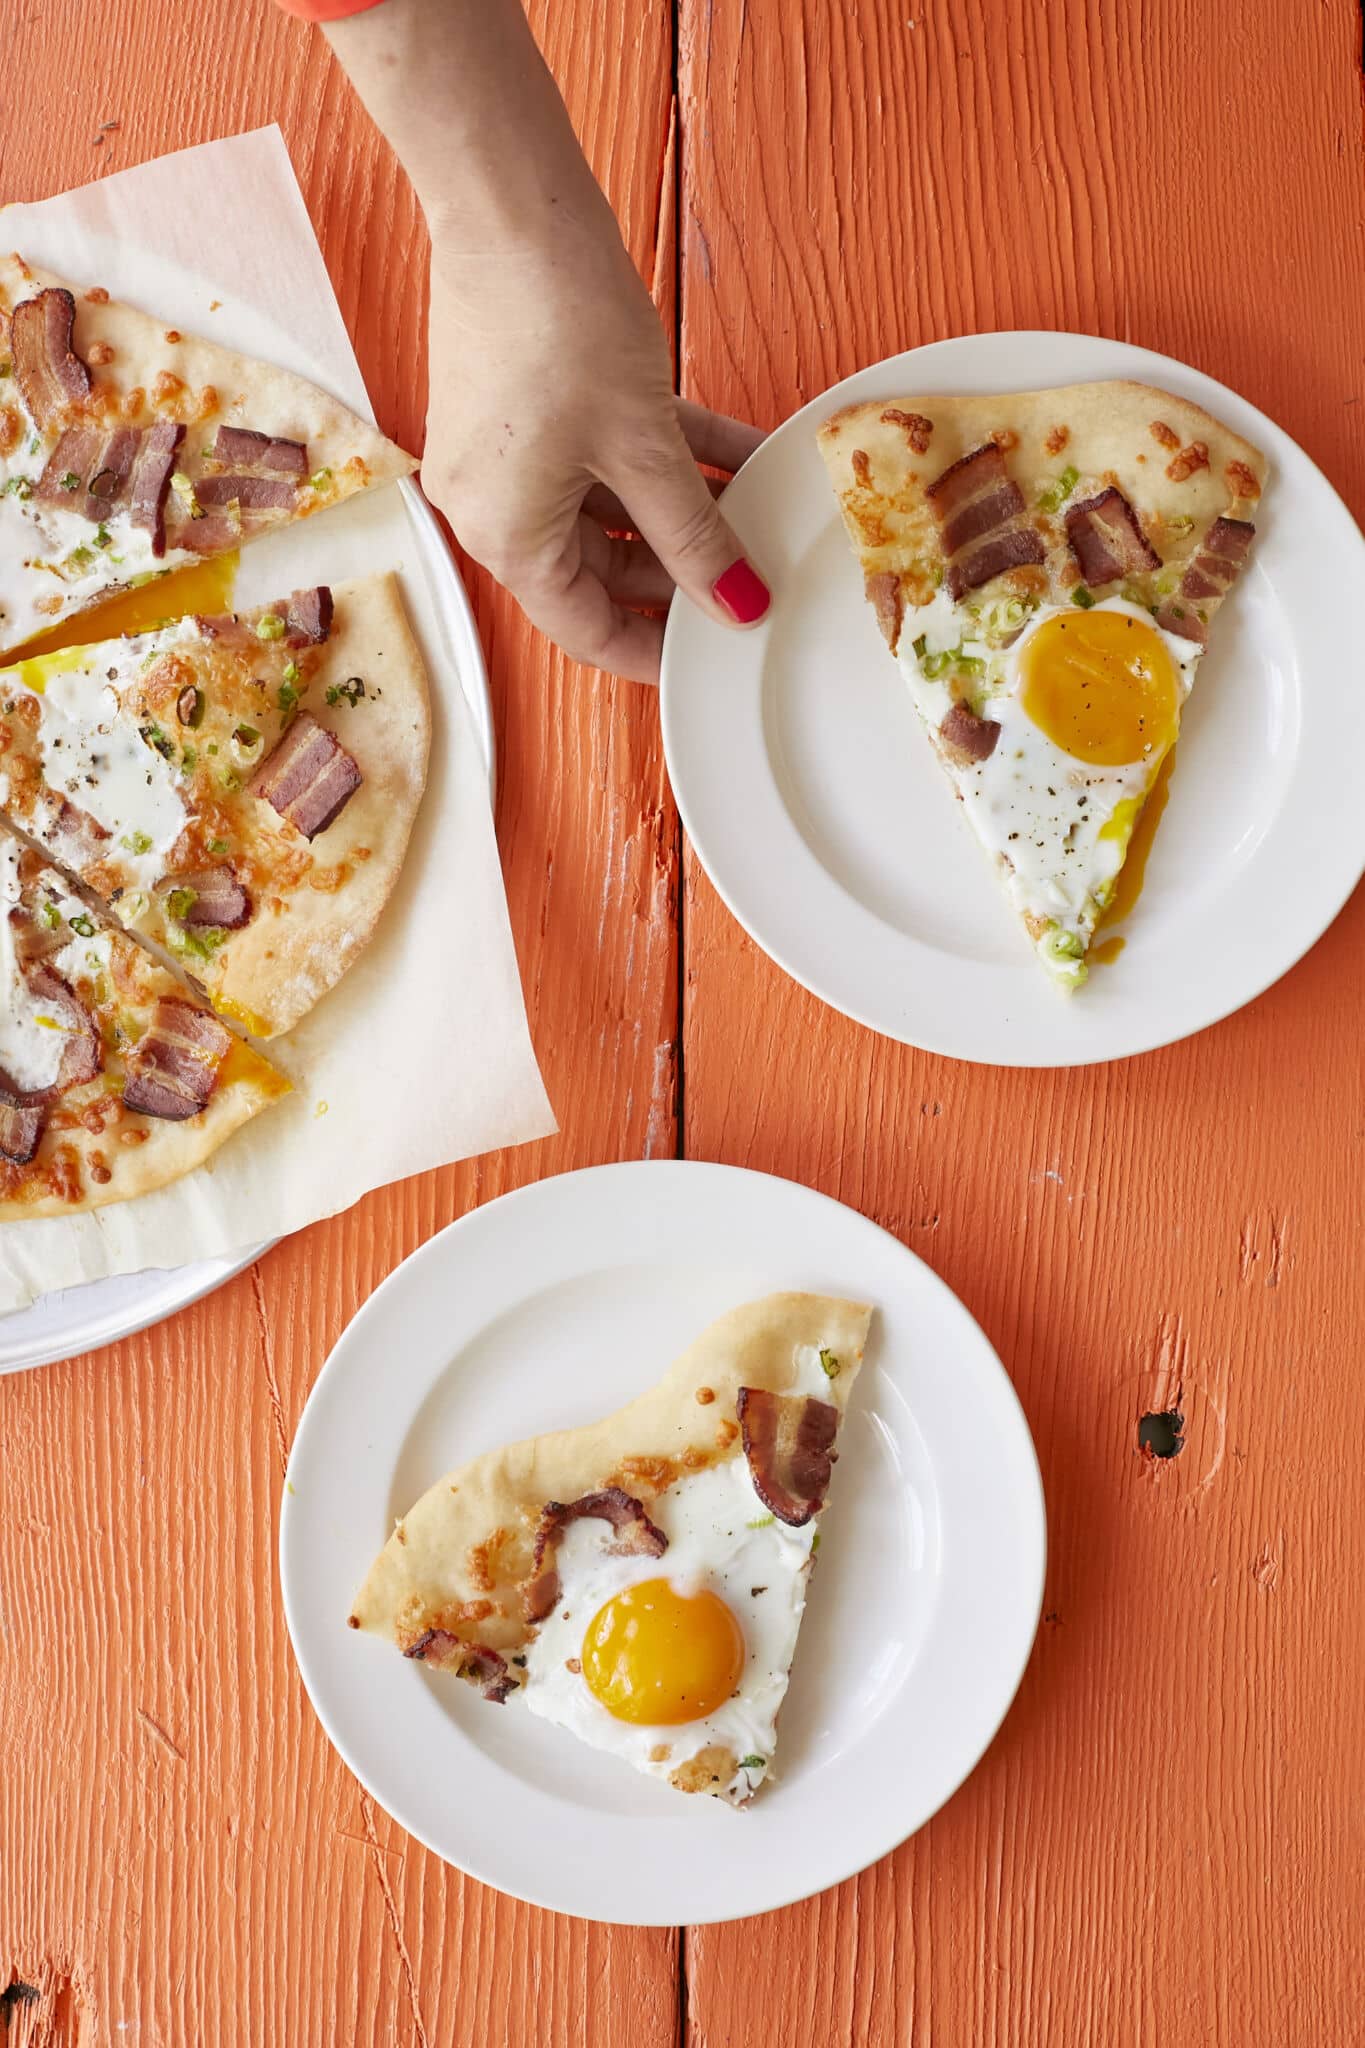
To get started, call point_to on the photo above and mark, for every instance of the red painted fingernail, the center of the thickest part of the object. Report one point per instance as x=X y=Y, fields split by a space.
x=743 y=593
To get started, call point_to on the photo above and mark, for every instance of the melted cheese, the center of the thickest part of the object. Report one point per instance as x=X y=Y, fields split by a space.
x=99 y=759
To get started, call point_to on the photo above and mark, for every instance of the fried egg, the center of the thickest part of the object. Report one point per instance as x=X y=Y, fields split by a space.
x=678 y=1663
x=1088 y=702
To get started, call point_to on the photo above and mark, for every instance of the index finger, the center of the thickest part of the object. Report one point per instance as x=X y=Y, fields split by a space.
x=715 y=438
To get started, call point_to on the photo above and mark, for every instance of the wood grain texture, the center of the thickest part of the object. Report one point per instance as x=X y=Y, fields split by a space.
x=182 y=1857
x=1165 y=1846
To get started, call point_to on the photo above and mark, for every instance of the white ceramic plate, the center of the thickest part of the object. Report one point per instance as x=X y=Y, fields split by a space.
x=406 y=534
x=551 y=1307
x=825 y=822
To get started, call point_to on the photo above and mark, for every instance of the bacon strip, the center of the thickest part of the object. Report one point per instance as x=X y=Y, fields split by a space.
x=787 y=1440
x=217 y=531
x=150 y=480
x=101 y=463
x=474 y=1661
x=219 y=900
x=963 y=733
x=310 y=777
x=637 y=1537
x=50 y=374
x=308 y=616
x=260 y=451
x=82 y=1046
x=1107 y=539
x=884 y=593
x=21 y=1126
x=173 y=1068
x=1218 y=562
x=252 y=493
x=980 y=511
x=77 y=455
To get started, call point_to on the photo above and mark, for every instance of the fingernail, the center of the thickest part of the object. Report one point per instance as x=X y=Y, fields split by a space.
x=743 y=593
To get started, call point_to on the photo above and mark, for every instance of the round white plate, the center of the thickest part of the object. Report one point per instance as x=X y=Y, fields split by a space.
x=554 y=1305
x=402 y=529
x=826 y=823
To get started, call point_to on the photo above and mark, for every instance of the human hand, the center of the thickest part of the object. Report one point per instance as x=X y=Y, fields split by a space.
x=553 y=433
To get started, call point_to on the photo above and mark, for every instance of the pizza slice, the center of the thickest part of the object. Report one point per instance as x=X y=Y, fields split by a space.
x=239 y=790
x=1047 y=566
x=128 y=449
x=641 y=1581
x=114 y=1077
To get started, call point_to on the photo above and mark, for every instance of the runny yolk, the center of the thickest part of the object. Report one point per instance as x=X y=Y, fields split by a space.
x=1102 y=686
x=658 y=1657
x=197 y=587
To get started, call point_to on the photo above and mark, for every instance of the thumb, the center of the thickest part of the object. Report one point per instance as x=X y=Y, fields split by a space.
x=670 y=503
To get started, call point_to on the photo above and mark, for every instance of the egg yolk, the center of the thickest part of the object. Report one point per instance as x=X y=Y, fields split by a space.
x=1102 y=685
x=657 y=1657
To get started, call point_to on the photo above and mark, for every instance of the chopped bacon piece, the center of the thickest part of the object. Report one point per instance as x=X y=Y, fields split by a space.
x=995 y=507
x=82 y=1046
x=963 y=733
x=883 y=588
x=980 y=511
x=21 y=1126
x=252 y=493
x=1215 y=567
x=309 y=778
x=1107 y=539
x=174 y=1066
x=51 y=375
x=474 y=1661
x=637 y=1537
x=150 y=480
x=787 y=1440
x=113 y=468
x=217 y=531
x=76 y=839
x=961 y=480
x=260 y=451
x=308 y=616
x=88 y=470
x=219 y=900
x=1011 y=550
x=75 y=459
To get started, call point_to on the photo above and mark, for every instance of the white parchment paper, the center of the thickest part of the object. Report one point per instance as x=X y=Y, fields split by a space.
x=421 y=1054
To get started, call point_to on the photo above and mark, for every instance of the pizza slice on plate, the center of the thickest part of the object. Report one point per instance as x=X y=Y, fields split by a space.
x=1047 y=566
x=641 y=1581
x=114 y=1077
x=127 y=448
x=239 y=789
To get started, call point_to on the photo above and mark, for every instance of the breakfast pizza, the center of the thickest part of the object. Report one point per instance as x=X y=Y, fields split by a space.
x=114 y=1077
x=239 y=790
x=1047 y=566
x=127 y=449
x=641 y=1581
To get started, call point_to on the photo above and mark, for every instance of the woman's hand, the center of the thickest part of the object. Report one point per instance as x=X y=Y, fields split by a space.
x=553 y=432
x=552 y=427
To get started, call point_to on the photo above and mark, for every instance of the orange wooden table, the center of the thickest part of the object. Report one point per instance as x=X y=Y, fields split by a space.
x=1166 y=1844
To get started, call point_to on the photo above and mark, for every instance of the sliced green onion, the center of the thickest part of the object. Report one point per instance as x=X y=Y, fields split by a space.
x=1081 y=596
x=84 y=925
x=136 y=842
x=829 y=1364
x=180 y=902
x=270 y=626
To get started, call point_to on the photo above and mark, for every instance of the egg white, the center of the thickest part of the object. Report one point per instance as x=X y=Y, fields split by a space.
x=721 y=1537
x=1041 y=812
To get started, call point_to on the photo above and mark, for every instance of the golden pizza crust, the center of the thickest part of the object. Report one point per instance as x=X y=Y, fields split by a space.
x=272 y=973
x=458 y=1557
x=882 y=454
